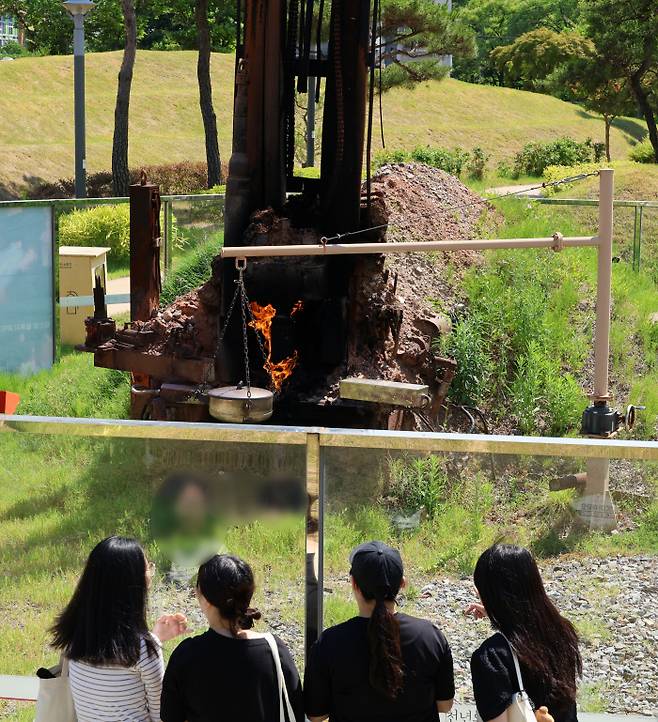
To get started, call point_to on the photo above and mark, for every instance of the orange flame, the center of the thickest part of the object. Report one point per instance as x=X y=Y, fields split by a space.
x=262 y=323
x=299 y=306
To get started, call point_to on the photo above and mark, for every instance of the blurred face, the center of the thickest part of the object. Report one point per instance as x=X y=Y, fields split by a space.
x=192 y=507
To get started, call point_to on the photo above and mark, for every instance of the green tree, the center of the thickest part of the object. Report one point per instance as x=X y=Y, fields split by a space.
x=500 y=22
x=415 y=34
x=533 y=56
x=625 y=33
x=589 y=82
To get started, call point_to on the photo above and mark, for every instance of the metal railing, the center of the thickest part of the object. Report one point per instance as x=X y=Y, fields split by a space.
x=639 y=207
x=321 y=449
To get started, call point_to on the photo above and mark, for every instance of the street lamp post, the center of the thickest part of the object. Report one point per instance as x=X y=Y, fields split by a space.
x=77 y=9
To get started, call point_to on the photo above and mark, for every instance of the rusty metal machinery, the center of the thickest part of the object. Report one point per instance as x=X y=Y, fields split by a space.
x=280 y=45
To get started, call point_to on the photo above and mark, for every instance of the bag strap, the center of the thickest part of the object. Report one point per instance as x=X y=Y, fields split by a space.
x=283 y=690
x=64 y=666
x=516 y=663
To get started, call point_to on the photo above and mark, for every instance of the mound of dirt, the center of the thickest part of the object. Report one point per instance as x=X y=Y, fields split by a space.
x=426 y=204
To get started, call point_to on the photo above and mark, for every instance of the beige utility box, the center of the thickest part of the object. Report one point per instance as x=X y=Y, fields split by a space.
x=78 y=268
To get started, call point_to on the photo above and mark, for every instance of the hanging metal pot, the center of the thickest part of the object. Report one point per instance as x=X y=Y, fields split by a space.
x=241 y=405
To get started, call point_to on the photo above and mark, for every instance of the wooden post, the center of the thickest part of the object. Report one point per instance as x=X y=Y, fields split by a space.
x=145 y=282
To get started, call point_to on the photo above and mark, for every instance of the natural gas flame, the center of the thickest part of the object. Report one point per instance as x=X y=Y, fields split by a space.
x=262 y=323
x=299 y=306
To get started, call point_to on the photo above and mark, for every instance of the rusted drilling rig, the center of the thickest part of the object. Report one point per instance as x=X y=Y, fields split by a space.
x=297 y=325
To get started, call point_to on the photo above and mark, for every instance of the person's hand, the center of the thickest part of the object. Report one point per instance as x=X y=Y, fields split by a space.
x=475 y=610
x=542 y=715
x=170 y=626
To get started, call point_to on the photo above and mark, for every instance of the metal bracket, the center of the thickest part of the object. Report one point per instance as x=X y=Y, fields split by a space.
x=241 y=263
x=558 y=242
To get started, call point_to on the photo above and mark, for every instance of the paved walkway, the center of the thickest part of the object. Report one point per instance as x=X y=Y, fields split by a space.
x=520 y=190
x=118 y=285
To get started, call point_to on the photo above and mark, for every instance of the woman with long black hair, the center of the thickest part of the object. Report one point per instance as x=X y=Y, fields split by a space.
x=380 y=666
x=115 y=663
x=230 y=672
x=528 y=626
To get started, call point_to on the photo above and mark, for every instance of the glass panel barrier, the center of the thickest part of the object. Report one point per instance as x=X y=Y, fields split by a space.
x=61 y=493
x=591 y=523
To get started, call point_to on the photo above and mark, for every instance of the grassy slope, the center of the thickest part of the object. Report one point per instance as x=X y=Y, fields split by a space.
x=37 y=138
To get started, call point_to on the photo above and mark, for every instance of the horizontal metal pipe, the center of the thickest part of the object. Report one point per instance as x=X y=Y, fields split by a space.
x=342 y=249
x=618 y=203
x=412 y=441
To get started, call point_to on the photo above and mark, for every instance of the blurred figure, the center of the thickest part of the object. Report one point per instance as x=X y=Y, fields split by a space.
x=380 y=666
x=230 y=671
x=513 y=597
x=115 y=663
x=184 y=525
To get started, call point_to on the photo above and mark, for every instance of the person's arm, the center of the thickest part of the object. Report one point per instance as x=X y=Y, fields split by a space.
x=293 y=682
x=151 y=672
x=444 y=683
x=317 y=684
x=172 y=701
x=492 y=687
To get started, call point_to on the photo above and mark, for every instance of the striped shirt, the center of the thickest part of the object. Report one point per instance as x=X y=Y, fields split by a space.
x=118 y=694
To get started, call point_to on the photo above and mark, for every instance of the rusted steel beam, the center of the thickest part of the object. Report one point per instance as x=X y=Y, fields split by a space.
x=196 y=371
x=345 y=115
x=145 y=281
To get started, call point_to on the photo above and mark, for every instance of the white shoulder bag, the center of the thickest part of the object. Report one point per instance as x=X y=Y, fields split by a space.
x=284 y=701
x=55 y=701
x=520 y=710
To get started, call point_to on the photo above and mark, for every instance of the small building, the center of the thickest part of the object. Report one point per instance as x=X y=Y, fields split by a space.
x=9 y=31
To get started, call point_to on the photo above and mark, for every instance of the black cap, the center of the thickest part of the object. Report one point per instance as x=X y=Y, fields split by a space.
x=377 y=569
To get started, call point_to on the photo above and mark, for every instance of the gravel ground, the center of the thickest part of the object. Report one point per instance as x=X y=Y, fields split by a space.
x=613 y=602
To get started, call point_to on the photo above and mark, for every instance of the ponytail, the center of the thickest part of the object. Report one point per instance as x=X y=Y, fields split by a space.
x=227 y=582
x=385 y=672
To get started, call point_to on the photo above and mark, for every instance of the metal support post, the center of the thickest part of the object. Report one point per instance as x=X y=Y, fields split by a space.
x=637 y=237
x=314 y=539
x=596 y=507
x=79 y=106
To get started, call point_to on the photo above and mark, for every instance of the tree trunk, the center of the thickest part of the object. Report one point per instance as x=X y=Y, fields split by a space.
x=120 y=172
x=646 y=110
x=608 y=123
x=205 y=94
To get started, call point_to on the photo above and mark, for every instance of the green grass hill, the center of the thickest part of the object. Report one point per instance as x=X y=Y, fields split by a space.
x=36 y=115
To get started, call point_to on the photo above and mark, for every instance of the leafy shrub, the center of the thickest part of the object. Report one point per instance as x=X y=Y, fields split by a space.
x=390 y=157
x=505 y=170
x=477 y=163
x=101 y=226
x=643 y=152
x=174 y=179
x=517 y=337
x=450 y=161
x=557 y=172
x=194 y=270
x=418 y=484
x=599 y=152
x=535 y=157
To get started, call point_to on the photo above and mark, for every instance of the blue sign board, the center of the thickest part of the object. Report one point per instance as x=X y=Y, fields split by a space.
x=26 y=290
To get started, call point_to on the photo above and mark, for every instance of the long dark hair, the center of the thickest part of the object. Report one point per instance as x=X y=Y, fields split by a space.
x=227 y=582
x=105 y=621
x=511 y=589
x=385 y=664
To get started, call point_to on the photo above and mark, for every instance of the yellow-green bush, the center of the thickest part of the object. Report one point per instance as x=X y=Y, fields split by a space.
x=107 y=226
x=643 y=152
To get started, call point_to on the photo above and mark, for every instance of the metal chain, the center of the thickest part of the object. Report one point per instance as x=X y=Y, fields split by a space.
x=245 y=305
x=244 y=301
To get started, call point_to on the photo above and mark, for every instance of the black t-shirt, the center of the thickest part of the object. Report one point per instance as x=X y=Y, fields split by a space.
x=336 y=680
x=495 y=683
x=212 y=678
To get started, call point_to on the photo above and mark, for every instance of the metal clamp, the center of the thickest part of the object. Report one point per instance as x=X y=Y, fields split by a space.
x=241 y=263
